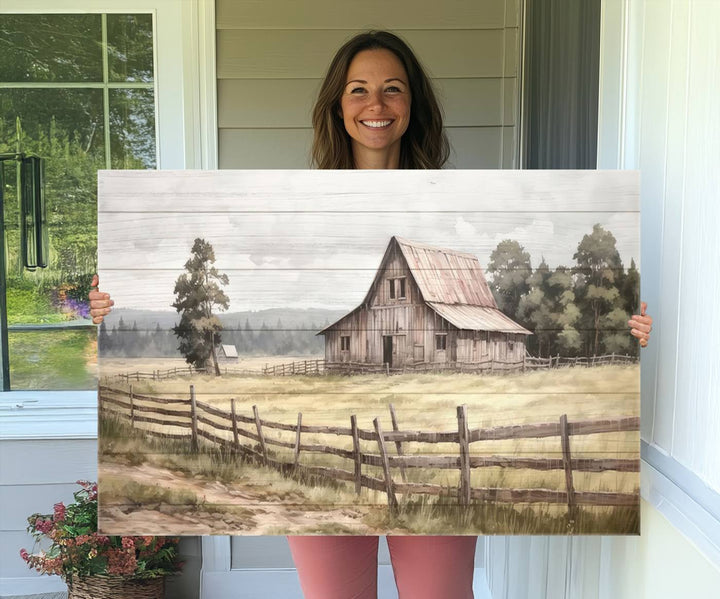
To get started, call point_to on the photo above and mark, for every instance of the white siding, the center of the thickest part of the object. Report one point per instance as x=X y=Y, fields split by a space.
x=271 y=59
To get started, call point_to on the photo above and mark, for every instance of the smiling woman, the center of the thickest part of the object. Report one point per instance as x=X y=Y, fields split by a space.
x=375 y=108
x=363 y=116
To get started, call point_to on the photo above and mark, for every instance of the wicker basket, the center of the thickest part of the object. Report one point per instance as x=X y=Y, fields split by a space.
x=116 y=587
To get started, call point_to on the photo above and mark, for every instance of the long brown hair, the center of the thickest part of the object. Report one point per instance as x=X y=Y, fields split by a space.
x=424 y=144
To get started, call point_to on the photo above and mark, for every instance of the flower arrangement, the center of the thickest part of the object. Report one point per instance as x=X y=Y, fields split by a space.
x=77 y=551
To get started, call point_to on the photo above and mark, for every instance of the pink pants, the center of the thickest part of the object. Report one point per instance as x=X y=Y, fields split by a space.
x=425 y=567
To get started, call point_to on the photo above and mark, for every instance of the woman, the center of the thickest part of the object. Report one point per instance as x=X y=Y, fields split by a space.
x=377 y=110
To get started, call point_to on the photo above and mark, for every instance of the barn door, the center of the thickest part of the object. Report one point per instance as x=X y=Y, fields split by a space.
x=387 y=350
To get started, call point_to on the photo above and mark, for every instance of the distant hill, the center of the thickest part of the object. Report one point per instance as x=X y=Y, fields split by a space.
x=290 y=318
x=139 y=333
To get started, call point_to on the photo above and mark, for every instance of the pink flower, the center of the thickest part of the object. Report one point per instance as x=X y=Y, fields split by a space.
x=59 y=512
x=121 y=562
x=128 y=543
x=43 y=526
x=24 y=555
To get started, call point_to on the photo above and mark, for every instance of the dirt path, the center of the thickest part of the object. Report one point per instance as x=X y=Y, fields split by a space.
x=220 y=509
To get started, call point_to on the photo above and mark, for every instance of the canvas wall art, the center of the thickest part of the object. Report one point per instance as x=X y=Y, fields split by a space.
x=369 y=352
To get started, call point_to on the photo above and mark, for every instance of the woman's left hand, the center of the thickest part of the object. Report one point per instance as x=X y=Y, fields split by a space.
x=641 y=325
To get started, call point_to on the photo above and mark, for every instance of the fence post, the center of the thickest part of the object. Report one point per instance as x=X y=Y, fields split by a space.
x=387 y=368
x=193 y=419
x=567 y=465
x=398 y=444
x=523 y=366
x=258 y=424
x=392 y=500
x=356 y=454
x=464 y=441
x=132 y=408
x=297 y=440
x=236 y=434
x=612 y=358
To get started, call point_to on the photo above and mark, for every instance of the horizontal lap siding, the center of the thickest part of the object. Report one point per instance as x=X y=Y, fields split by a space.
x=271 y=58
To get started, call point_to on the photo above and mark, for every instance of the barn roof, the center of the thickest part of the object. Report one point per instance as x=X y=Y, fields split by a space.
x=446 y=276
x=477 y=318
x=452 y=283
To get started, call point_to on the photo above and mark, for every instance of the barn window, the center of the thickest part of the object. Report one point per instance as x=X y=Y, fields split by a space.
x=345 y=343
x=397 y=288
x=440 y=341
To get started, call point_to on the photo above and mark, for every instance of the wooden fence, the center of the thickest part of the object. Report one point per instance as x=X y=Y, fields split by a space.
x=225 y=429
x=489 y=365
x=294 y=368
x=161 y=375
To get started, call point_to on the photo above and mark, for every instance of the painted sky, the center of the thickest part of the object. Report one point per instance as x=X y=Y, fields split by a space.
x=315 y=238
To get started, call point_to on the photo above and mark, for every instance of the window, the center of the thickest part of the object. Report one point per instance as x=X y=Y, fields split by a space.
x=345 y=343
x=79 y=91
x=397 y=288
x=440 y=341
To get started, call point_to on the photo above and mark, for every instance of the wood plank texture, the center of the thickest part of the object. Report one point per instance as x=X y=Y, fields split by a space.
x=351 y=14
x=288 y=103
x=252 y=54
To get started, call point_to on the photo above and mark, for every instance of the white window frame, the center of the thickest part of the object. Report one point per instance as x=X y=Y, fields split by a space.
x=186 y=130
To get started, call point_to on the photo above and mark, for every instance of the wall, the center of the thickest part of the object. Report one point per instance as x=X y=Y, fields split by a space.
x=271 y=58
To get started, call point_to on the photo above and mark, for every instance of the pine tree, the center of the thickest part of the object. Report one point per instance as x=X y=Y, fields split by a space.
x=510 y=270
x=599 y=268
x=197 y=296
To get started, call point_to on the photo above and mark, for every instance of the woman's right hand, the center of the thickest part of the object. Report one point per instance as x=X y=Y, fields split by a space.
x=100 y=303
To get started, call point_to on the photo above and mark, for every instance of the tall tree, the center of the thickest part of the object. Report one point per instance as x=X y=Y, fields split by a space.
x=510 y=270
x=535 y=310
x=197 y=296
x=599 y=269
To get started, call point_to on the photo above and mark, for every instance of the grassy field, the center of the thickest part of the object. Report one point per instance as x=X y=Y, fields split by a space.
x=428 y=403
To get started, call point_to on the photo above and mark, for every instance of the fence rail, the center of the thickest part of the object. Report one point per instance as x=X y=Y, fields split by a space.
x=200 y=420
x=489 y=365
x=321 y=366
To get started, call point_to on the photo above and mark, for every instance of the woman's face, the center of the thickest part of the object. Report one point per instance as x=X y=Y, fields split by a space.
x=375 y=103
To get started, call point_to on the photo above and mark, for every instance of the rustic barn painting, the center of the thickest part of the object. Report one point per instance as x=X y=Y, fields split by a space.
x=403 y=352
x=425 y=305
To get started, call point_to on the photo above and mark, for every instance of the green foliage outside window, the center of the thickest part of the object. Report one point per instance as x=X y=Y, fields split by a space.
x=82 y=105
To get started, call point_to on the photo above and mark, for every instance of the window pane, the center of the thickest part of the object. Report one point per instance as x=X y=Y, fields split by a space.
x=50 y=48
x=65 y=127
x=53 y=359
x=130 y=47
x=132 y=128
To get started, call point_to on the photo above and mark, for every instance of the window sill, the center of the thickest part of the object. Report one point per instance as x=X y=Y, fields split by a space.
x=680 y=495
x=48 y=415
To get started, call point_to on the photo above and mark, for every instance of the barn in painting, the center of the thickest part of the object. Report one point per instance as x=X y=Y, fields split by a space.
x=425 y=305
